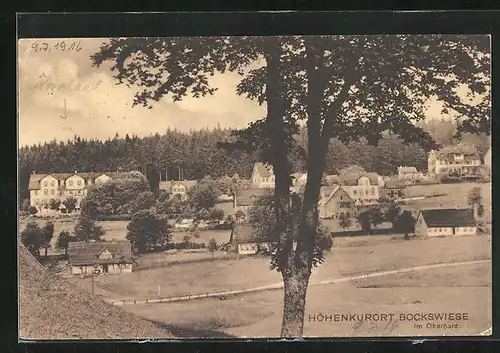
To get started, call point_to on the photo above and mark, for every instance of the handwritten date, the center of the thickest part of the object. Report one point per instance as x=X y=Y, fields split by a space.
x=60 y=46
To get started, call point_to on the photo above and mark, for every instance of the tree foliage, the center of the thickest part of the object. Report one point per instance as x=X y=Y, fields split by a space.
x=62 y=242
x=212 y=246
x=32 y=238
x=86 y=229
x=48 y=234
x=117 y=196
x=405 y=223
x=54 y=204
x=147 y=232
x=341 y=86
x=70 y=204
x=344 y=221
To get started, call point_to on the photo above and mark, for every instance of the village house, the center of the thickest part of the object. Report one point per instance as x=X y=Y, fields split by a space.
x=262 y=176
x=245 y=198
x=445 y=222
x=364 y=188
x=176 y=188
x=409 y=173
x=396 y=189
x=335 y=202
x=61 y=186
x=463 y=160
x=112 y=257
x=244 y=241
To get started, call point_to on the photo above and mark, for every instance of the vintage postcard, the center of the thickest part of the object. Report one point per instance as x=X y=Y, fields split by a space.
x=254 y=187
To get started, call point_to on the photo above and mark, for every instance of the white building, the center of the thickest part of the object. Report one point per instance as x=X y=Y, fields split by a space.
x=262 y=176
x=409 y=173
x=363 y=188
x=445 y=222
x=61 y=186
x=464 y=160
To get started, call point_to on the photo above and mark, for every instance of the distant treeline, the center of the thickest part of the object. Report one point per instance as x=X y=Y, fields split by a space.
x=177 y=155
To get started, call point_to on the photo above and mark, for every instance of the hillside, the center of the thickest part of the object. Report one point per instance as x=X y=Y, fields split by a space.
x=51 y=308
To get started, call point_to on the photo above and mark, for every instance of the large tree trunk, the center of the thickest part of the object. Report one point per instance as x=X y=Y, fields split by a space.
x=295 y=288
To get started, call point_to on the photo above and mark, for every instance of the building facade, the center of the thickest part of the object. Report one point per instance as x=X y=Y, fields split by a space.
x=465 y=161
x=87 y=258
x=363 y=188
x=409 y=173
x=335 y=202
x=262 y=176
x=178 y=188
x=61 y=186
x=244 y=242
x=445 y=222
x=245 y=198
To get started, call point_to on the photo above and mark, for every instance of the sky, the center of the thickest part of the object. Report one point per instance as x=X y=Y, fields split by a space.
x=92 y=105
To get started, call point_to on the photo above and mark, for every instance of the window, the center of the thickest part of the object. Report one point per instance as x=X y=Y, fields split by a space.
x=36 y=192
x=348 y=214
x=373 y=191
x=70 y=182
x=70 y=192
x=61 y=193
x=45 y=183
x=440 y=230
x=355 y=192
x=53 y=183
x=52 y=192
x=46 y=192
x=79 y=182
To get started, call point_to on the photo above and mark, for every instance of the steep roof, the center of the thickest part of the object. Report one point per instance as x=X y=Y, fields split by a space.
x=244 y=233
x=449 y=217
x=326 y=191
x=57 y=309
x=34 y=182
x=334 y=189
x=395 y=183
x=167 y=185
x=244 y=197
x=350 y=179
x=82 y=253
x=263 y=170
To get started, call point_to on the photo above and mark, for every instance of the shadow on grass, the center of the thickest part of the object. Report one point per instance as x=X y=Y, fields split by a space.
x=187 y=332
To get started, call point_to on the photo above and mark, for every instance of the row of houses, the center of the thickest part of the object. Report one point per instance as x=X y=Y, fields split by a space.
x=61 y=186
x=115 y=257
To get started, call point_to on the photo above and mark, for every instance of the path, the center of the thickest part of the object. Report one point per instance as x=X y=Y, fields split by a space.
x=280 y=285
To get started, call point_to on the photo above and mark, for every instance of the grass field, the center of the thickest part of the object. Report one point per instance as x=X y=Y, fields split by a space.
x=447 y=196
x=349 y=257
x=457 y=289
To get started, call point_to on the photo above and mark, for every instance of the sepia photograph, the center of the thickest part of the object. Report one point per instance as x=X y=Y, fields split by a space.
x=244 y=187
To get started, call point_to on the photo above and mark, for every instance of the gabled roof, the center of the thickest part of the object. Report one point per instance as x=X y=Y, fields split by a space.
x=83 y=253
x=167 y=185
x=34 y=182
x=55 y=309
x=244 y=197
x=264 y=170
x=335 y=190
x=351 y=179
x=244 y=233
x=449 y=217
x=395 y=183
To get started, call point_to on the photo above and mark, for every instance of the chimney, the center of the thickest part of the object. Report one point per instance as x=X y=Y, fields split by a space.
x=76 y=171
